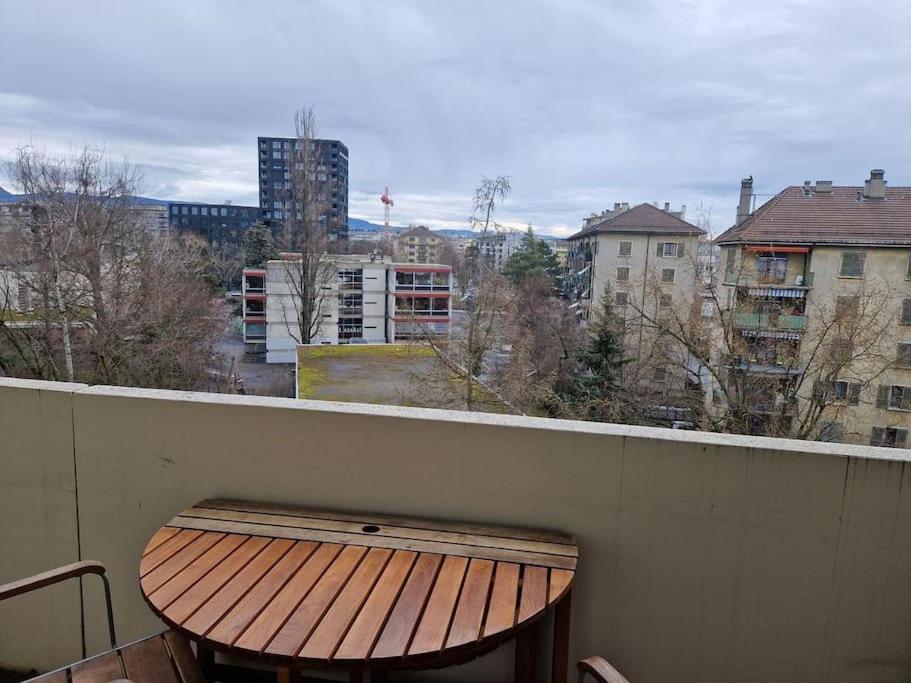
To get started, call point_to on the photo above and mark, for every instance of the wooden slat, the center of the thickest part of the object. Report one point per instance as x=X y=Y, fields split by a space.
x=260 y=596
x=393 y=520
x=434 y=624
x=174 y=564
x=308 y=614
x=366 y=627
x=160 y=537
x=327 y=637
x=184 y=661
x=559 y=582
x=227 y=597
x=534 y=592
x=504 y=599
x=148 y=660
x=272 y=531
x=356 y=529
x=396 y=636
x=167 y=550
x=193 y=572
x=202 y=590
x=469 y=613
x=260 y=631
x=101 y=669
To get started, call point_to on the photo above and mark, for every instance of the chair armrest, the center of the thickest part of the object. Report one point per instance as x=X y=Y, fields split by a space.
x=70 y=571
x=49 y=578
x=600 y=670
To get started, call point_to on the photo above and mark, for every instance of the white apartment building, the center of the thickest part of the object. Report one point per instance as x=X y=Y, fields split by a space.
x=495 y=248
x=367 y=301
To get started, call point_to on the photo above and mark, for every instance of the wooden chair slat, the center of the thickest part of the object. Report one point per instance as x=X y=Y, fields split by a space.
x=184 y=661
x=101 y=669
x=148 y=660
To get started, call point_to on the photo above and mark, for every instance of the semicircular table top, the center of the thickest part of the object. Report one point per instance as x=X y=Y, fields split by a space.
x=305 y=586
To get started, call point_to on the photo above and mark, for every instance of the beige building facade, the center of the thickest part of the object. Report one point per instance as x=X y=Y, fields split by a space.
x=816 y=284
x=418 y=245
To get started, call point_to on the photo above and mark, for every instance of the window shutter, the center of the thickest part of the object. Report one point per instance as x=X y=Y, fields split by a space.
x=901 y=438
x=906 y=311
x=660 y=250
x=853 y=394
x=904 y=355
x=819 y=394
x=882 y=396
x=679 y=249
x=808 y=281
x=876 y=436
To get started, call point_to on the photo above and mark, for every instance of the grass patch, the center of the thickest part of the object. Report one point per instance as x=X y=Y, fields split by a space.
x=309 y=379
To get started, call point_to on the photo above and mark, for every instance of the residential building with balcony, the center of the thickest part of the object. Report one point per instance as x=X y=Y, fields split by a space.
x=495 y=248
x=800 y=277
x=367 y=300
x=331 y=177
x=216 y=223
x=418 y=245
x=647 y=258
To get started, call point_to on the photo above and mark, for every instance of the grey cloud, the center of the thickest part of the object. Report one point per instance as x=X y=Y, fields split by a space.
x=583 y=103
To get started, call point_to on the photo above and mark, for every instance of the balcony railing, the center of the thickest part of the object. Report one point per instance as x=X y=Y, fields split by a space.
x=704 y=557
x=797 y=323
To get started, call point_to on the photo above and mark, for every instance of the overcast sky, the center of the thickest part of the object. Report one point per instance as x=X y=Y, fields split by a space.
x=582 y=103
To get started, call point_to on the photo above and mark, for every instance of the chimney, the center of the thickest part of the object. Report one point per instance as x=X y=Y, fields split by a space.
x=746 y=200
x=616 y=206
x=683 y=212
x=624 y=206
x=823 y=187
x=875 y=186
x=667 y=207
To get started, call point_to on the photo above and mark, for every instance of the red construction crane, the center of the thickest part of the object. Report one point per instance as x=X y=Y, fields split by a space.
x=387 y=203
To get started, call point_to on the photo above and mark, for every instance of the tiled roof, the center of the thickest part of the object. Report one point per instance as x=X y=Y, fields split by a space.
x=835 y=217
x=643 y=218
x=418 y=231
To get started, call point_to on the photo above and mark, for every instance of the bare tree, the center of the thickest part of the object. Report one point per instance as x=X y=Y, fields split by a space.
x=309 y=270
x=110 y=302
x=766 y=365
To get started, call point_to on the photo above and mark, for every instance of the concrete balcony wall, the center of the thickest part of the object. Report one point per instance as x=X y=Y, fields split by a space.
x=703 y=557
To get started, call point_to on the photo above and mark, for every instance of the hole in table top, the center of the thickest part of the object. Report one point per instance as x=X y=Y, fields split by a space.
x=370 y=529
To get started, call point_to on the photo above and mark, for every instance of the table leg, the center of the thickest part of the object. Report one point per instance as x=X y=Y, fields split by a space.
x=206 y=658
x=560 y=661
x=526 y=657
x=288 y=674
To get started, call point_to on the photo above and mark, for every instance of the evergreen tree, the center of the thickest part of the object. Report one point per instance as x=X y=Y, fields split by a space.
x=595 y=391
x=533 y=259
x=258 y=246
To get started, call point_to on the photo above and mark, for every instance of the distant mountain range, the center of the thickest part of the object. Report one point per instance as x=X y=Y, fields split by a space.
x=355 y=225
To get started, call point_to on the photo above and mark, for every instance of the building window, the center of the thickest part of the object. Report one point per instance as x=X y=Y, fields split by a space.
x=846 y=307
x=906 y=312
x=668 y=275
x=665 y=300
x=889 y=437
x=623 y=274
x=908 y=273
x=621 y=298
x=852 y=264
x=660 y=374
x=904 y=355
x=772 y=270
x=626 y=248
x=670 y=249
x=893 y=397
x=175 y=210
x=729 y=262
x=205 y=210
x=194 y=210
x=843 y=393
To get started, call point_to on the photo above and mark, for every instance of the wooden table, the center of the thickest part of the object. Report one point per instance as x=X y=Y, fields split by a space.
x=314 y=588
